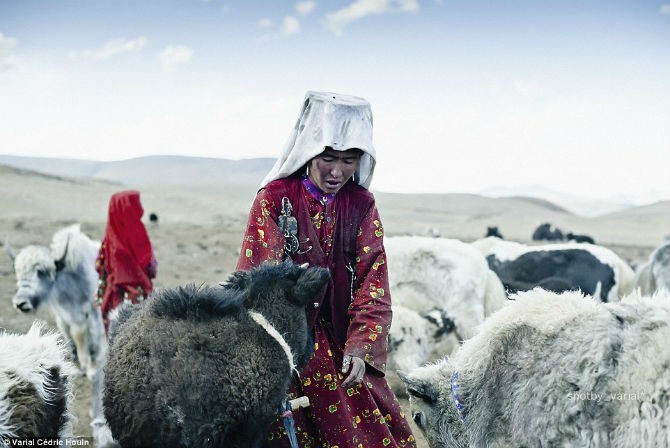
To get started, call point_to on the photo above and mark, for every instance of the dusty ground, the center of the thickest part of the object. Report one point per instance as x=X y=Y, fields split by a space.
x=199 y=233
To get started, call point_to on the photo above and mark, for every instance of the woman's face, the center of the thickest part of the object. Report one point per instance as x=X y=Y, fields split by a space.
x=331 y=169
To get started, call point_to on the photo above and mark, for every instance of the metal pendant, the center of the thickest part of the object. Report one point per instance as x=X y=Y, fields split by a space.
x=288 y=226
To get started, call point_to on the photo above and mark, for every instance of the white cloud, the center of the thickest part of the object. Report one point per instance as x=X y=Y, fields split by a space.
x=290 y=25
x=113 y=47
x=665 y=9
x=174 y=55
x=304 y=8
x=7 y=45
x=336 y=21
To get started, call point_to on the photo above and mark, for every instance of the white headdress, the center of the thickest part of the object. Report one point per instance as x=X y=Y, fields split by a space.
x=328 y=119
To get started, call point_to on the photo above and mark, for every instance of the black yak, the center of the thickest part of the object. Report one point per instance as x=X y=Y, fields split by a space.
x=208 y=367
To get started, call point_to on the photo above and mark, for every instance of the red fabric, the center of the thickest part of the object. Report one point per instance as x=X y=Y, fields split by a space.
x=344 y=233
x=126 y=254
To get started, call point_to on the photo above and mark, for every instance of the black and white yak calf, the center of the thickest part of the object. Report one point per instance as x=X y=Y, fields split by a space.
x=205 y=367
x=35 y=387
x=551 y=370
x=62 y=279
x=594 y=270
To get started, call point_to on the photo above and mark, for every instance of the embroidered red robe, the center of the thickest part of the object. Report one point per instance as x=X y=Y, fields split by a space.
x=352 y=316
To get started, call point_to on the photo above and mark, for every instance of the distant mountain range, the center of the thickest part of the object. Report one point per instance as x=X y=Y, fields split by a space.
x=579 y=205
x=151 y=170
x=201 y=171
x=205 y=195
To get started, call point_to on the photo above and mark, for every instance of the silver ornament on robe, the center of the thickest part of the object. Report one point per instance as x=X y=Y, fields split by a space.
x=288 y=226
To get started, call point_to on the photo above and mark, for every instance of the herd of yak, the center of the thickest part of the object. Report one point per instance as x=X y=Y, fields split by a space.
x=496 y=344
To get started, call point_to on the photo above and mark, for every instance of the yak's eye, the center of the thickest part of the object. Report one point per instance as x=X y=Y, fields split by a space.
x=420 y=392
x=418 y=419
x=41 y=273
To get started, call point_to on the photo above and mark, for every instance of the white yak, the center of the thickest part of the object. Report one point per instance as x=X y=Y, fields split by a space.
x=553 y=370
x=441 y=289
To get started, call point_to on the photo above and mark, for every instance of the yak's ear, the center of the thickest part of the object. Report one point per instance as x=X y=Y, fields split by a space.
x=238 y=280
x=60 y=263
x=418 y=388
x=309 y=284
x=117 y=317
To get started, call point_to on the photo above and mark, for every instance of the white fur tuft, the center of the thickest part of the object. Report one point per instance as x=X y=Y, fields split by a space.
x=39 y=352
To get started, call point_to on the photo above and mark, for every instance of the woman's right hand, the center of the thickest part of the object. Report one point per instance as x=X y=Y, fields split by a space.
x=356 y=368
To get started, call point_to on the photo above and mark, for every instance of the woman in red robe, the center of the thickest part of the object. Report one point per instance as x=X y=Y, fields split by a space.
x=314 y=207
x=126 y=263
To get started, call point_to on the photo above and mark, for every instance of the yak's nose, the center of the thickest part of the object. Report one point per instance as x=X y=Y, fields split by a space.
x=24 y=306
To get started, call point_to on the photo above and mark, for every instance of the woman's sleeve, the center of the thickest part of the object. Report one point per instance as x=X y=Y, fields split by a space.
x=263 y=241
x=370 y=310
x=152 y=269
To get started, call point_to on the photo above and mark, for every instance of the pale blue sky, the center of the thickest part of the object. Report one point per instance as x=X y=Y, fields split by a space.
x=466 y=95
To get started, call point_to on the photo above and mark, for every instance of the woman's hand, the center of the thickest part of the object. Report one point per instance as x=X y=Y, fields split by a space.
x=356 y=368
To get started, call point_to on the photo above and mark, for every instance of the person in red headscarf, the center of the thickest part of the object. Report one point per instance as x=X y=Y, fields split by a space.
x=126 y=263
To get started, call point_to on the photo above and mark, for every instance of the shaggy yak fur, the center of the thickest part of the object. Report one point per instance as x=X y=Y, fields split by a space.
x=553 y=370
x=35 y=386
x=192 y=368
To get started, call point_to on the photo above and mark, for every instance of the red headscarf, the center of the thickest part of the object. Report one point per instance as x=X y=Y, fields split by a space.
x=126 y=247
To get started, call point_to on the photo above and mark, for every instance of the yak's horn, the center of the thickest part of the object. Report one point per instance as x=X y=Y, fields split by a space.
x=60 y=263
x=9 y=249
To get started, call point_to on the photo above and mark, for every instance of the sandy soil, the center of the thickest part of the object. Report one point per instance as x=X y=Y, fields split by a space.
x=197 y=239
